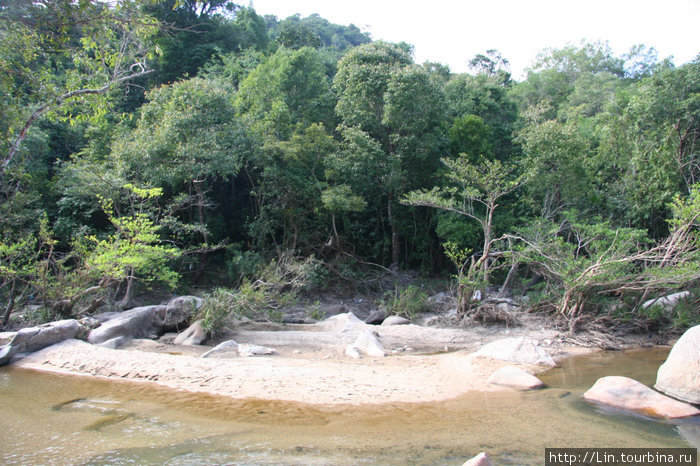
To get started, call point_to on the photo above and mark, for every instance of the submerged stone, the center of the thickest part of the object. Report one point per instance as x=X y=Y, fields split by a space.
x=510 y=376
x=628 y=394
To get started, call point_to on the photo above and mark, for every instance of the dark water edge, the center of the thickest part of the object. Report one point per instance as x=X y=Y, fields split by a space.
x=57 y=419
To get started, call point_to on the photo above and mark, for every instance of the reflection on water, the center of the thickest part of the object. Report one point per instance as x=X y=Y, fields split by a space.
x=58 y=419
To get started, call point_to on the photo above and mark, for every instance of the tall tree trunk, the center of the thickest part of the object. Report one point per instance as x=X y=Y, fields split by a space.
x=394 y=237
x=203 y=228
x=125 y=302
x=335 y=233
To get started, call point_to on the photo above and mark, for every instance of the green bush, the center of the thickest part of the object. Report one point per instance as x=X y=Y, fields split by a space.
x=243 y=265
x=407 y=302
x=276 y=287
x=217 y=310
x=686 y=314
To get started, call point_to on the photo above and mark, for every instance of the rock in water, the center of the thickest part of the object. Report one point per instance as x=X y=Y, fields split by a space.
x=510 y=376
x=628 y=394
x=194 y=335
x=481 y=459
x=32 y=339
x=523 y=350
x=134 y=323
x=679 y=376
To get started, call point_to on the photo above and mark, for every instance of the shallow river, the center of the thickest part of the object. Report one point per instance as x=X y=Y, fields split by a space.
x=56 y=419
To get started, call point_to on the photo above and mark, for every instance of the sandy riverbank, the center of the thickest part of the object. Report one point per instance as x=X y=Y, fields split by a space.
x=423 y=364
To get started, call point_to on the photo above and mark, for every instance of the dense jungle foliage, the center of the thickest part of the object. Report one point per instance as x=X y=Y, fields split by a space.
x=149 y=144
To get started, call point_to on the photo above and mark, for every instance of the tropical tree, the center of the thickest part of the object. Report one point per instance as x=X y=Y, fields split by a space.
x=471 y=190
x=97 y=47
x=397 y=104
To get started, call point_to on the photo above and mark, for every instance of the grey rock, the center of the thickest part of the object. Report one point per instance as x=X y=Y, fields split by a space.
x=105 y=316
x=296 y=315
x=342 y=323
x=134 y=323
x=246 y=350
x=368 y=344
x=225 y=348
x=6 y=337
x=376 y=317
x=334 y=309
x=177 y=313
x=35 y=338
x=514 y=377
x=114 y=343
x=395 y=320
x=32 y=339
x=194 y=335
x=6 y=354
x=668 y=303
x=679 y=376
x=523 y=350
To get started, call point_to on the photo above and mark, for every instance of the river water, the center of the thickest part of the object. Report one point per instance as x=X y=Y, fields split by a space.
x=58 y=419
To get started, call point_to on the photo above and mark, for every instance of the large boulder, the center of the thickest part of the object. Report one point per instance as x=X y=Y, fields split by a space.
x=134 y=323
x=514 y=377
x=32 y=339
x=523 y=350
x=628 y=394
x=177 y=313
x=679 y=376
x=194 y=335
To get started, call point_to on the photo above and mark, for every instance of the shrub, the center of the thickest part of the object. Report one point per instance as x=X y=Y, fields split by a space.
x=407 y=302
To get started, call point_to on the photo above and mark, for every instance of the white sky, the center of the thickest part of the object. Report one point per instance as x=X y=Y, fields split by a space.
x=453 y=31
